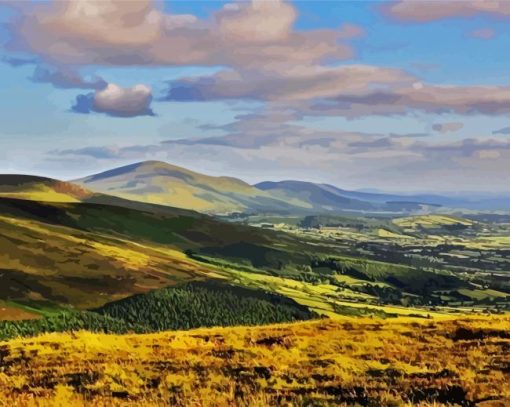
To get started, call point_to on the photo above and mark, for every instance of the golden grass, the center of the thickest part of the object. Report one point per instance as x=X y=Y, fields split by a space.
x=326 y=362
x=387 y=234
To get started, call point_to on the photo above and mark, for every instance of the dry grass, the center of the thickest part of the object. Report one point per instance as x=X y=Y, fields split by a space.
x=327 y=362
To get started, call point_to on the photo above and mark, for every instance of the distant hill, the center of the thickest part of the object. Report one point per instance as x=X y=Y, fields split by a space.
x=154 y=182
x=327 y=198
x=165 y=184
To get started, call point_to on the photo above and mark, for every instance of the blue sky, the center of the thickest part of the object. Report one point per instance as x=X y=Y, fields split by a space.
x=360 y=94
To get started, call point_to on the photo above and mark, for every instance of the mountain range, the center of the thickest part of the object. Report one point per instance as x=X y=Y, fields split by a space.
x=166 y=184
x=156 y=182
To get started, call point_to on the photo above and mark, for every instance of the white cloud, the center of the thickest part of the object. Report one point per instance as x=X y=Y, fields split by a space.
x=117 y=101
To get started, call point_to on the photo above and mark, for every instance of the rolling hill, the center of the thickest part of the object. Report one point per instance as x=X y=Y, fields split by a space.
x=90 y=249
x=161 y=183
x=165 y=184
x=320 y=198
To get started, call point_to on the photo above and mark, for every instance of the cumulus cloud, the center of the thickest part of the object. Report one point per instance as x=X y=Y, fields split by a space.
x=260 y=21
x=428 y=10
x=256 y=40
x=117 y=101
x=266 y=58
x=447 y=127
x=116 y=32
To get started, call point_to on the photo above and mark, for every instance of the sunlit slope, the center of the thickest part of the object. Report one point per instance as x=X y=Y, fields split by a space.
x=84 y=254
x=165 y=184
x=328 y=362
x=154 y=224
x=44 y=262
x=41 y=189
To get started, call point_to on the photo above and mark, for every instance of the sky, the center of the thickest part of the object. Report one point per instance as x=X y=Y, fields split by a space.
x=400 y=96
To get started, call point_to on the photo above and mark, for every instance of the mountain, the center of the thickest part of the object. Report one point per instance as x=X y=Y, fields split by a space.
x=327 y=198
x=165 y=184
x=161 y=183
x=82 y=255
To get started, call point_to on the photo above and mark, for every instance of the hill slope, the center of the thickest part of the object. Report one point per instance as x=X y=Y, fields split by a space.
x=86 y=254
x=83 y=255
x=165 y=184
x=45 y=259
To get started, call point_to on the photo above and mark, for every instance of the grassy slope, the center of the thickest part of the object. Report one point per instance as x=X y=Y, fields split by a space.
x=432 y=222
x=83 y=254
x=40 y=261
x=328 y=362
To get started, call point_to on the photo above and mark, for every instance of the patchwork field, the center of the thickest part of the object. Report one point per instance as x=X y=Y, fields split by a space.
x=363 y=361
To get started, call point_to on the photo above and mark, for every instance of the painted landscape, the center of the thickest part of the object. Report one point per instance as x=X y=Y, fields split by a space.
x=284 y=217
